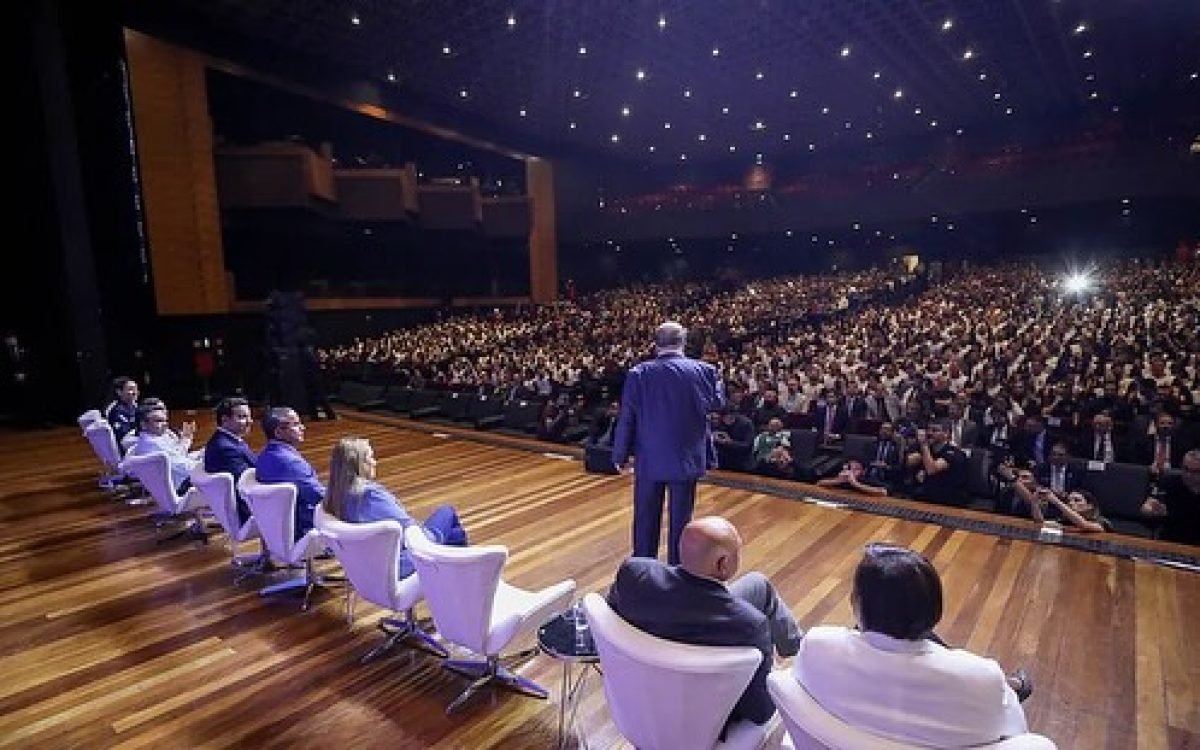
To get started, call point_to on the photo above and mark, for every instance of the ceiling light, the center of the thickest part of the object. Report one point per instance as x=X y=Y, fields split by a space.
x=813 y=238
x=1087 y=54
x=651 y=148
x=983 y=76
x=1116 y=109
x=950 y=227
x=716 y=51
x=1008 y=110
x=793 y=93
x=355 y=20
x=614 y=138
x=666 y=126
x=391 y=76
x=640 y=75
x=812 y=147
x=687 y=93
x=870 y=135
x=847 y=125
x=846 y=51
x=895 y=175
x=1193 y=76
x=702 y=137
x=683 y=157
x=947 y=24
x=787 y=136
x=446 y=49
x=625 y=111
x=933 y=219
x=824 y=110
x=758 y=125
x=724 y=110
x=996 y=96
x=522 y=112
x=511 y=21
x=572 y=126
x=788 y=233
x=1081 y=28
x=1094 y=95
x=576 y=93
x=463 y=93
x=958 y=132
x=582 y=49
x=968 y=53
x=757 y=160
x=916 y=110
x=1090 y=77
x=933 y=123
x=758 y=76
x=732 y=149
x=857 y=226
x=898 y=94
x=662 y=22
x=1033 y=220
x=877 y=75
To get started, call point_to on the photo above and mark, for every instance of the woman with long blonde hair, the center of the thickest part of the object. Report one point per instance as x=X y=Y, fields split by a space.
x=354 y=496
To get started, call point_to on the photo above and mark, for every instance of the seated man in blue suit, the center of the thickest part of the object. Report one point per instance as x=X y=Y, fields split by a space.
x=695 y=603
x=226 y=450
x=281 y=461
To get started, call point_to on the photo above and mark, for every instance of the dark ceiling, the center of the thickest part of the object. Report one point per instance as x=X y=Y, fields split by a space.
x=696 y=80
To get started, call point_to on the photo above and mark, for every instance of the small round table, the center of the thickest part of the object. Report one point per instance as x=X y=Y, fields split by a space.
x=561 y=640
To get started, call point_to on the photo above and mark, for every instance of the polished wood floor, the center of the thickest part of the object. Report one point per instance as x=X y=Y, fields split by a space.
x=107 y=640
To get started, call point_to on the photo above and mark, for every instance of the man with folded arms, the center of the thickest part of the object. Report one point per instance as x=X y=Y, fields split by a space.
x=695 y=602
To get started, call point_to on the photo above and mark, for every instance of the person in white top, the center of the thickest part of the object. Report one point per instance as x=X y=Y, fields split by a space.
x=155 y=436
x=893 y=677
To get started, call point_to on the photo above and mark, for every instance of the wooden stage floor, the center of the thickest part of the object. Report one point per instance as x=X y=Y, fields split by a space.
x=107 y=640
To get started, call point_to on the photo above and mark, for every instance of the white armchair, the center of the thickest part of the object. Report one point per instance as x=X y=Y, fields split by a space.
x=478 y=611
x=811 y=727
x=99 y=434
x=370 y=555
x=665 y=695
x=87 y=418
x=153 y=470
x=274 y=509
x=219 y=494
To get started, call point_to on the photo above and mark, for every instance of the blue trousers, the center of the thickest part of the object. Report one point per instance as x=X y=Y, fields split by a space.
x=443 y=527
x=648 y=498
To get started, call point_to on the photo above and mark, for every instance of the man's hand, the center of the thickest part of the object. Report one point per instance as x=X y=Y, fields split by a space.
x=1154 y=507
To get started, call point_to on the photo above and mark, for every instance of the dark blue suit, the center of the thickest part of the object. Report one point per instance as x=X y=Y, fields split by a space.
x=122 y=417
x=664 y=421
x=669 y=602
x=280 y=462
x=224 y=451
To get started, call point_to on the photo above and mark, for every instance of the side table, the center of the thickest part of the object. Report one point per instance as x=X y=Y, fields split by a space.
x=560 y=639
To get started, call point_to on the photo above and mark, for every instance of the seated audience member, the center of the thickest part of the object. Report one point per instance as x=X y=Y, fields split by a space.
x=226 y=450
x=155 y=436
x=355 y=497
x=552 y=424
x=768 y=409
x=1179 y=504
x=1032 y=447
x=941 y=468
x=604 y=424
x=772 y=452
x=696 y=603
x=280 y=461
x=853 y=477
x=1006 y=498
x=1076 y=509
x=121 y=414
x=964 y=432
x=893 y=677
x=1057 y=474
x=1163 y=449
x=830 y=415
x=733 y=434
x=886 y=454
x=1098 y=443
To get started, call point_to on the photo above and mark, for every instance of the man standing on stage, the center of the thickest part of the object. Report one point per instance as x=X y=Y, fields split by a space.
x=664 y=421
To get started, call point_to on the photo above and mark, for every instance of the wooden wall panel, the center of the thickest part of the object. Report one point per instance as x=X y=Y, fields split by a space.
x=543 y=240
x=175 y=161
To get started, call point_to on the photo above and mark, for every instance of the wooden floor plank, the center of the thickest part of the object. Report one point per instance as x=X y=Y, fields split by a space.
x=107 y=639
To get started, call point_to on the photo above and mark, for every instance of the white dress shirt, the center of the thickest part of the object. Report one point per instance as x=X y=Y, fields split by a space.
x=908 y=691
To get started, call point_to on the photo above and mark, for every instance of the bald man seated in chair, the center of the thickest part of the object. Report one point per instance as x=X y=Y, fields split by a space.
x=695 y=603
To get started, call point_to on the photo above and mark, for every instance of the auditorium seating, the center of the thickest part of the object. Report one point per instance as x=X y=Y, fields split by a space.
x=361 y=395
x=665 y=695
x=153 y=470
x=475 y=609
x=1120 y=490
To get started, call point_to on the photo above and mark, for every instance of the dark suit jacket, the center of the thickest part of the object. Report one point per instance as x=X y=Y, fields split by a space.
x=226 y=452
x=664 y=418
x=891 y=455
x=668 y=602
x=1085 y=448
x=280 y=462
x=1071 y=481
x=1147 y=446
x=840 y=418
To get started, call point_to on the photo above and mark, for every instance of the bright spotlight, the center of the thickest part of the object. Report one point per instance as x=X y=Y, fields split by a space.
x=1077 y=283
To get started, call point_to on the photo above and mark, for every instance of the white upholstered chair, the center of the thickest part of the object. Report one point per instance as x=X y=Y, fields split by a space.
x=274 y=509
x=153 y=470
x=99 y=434
x=811 y=727
x=370 y=555
x=664 y=695
x=478 y=611
x=221 y=498
x=87 y=418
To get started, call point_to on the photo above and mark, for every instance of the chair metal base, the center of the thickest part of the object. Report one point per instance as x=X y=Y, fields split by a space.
x=249 y=566
x=309 y=583
x=484 y=673
x=399 y=631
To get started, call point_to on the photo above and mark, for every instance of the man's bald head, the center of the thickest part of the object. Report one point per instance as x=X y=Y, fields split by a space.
x=670 y=335
x=710 y=547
